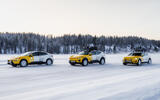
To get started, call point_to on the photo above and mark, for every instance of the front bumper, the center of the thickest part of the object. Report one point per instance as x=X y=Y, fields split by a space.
x=75 y=61
x=130 y=61
x=10 y=62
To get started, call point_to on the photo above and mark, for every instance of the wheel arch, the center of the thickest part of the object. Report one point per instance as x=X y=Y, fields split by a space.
x=23 y=59
x=49 y=59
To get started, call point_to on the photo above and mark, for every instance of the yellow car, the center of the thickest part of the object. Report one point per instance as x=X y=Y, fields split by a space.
x=86 y=57
x=137 y=58
x=34 y=57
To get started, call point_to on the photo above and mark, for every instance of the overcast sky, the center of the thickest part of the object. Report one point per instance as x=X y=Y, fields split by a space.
x=97 y=17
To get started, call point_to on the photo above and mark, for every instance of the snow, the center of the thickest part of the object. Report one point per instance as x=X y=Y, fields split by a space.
x=61 y=81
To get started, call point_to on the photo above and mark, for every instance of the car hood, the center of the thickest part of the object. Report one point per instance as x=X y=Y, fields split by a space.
x=131 y=57
x=18 y=57
x=77 y=56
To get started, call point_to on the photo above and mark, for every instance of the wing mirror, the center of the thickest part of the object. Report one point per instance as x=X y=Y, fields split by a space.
x=90 y=54
x=30 y=56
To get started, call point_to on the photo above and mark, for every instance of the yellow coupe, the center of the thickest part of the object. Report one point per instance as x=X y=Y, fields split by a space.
x=86 y=57
x=33 y=57
x=137 y=58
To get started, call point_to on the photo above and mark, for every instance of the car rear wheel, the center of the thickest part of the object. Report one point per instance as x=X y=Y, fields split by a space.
x=84 y=62
x=102 y=61
x=150 y=61
x=139 y=63
x=49 y=62
x=23 y=63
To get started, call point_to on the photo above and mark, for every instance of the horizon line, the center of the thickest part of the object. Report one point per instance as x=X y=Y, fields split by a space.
x=53 y=34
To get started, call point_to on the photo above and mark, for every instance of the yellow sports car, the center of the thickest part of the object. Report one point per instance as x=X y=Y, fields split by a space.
x=137 y=58
x=86 y=57
x=34 y=57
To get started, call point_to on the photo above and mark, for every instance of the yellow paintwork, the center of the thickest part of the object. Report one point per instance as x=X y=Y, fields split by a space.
x=17 y=60
x=79 y=58
x=133 y=59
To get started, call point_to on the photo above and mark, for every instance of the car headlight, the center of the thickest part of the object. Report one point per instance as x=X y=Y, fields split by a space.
x=16 y=59
x=135 y=58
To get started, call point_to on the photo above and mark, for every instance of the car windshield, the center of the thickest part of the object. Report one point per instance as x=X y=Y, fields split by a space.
x=135 y=54
x=83 y=53
x=26 y=54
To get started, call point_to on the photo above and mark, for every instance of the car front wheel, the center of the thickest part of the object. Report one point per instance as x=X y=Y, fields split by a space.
x=85 y=62
x=14 y=65
x=124 y=63
x=139 y=63
x=23 y=63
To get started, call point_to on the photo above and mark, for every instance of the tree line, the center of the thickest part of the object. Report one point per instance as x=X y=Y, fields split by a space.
x=22 y=42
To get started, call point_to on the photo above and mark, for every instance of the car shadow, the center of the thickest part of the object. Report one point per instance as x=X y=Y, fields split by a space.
x=34 y=66
x=143 y=65
x=89 y=65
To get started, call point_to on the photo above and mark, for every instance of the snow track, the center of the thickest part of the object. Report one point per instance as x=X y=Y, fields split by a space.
x=61 y=81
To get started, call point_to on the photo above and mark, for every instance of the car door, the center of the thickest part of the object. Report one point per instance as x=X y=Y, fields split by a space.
x=94 y=57
x=43 y=56
x=35 y=56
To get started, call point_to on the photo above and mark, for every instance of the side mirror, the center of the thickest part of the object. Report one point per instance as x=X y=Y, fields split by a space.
x=30 y=56
x=90 y=54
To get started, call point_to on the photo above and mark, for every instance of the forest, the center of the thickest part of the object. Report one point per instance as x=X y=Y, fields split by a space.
x=11 y=43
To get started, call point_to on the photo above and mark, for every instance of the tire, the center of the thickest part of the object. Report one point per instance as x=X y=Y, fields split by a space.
x=124 y=63
x=139 y=63
x=73 y=64
x=84 y=62
x=49 y=62
x=150 y=61
x=23 y=63
x=14 y=65
x=102 y=61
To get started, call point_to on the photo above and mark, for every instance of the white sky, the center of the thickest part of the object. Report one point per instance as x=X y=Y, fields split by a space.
x=97 y=17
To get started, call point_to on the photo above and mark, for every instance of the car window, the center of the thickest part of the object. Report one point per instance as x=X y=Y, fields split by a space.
x=35 y=54
x=83 y=53
x=93 y=52
x=42 y=53
x=135 y=54
x=98 y=52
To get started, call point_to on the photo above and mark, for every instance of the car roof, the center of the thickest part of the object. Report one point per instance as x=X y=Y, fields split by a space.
x=36 y=51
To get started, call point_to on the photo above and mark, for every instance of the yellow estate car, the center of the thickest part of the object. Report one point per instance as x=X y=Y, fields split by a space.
x=34 y=57
x=86 y=57
x=137 y=58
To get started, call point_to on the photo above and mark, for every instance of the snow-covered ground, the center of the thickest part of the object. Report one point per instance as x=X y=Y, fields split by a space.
x=61 y=81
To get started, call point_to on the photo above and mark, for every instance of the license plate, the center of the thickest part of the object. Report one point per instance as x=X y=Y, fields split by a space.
x=128 y=61
x=73 y=61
